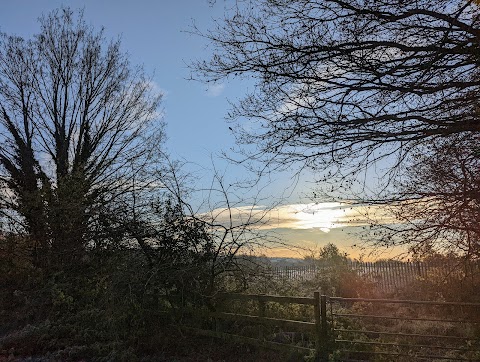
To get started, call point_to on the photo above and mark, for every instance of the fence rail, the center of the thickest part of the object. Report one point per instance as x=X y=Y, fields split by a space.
x=268 y=298
x=359 y=328
x=394 y=328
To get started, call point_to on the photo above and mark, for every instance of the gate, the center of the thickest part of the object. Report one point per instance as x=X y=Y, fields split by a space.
x=352 y=329
x=385 y=330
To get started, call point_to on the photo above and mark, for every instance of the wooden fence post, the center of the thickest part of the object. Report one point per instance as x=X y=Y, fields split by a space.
x=324 y=328
x=318 y=342
x=218 y=321
x=321 y=327
x=261 y=313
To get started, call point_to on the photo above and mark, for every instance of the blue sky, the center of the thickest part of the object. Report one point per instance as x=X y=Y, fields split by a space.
x=155 y=35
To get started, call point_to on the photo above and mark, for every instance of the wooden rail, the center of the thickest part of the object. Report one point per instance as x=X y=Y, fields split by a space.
x=252 y=341
x=317 y=328
x=269 y=298
x=299 y=325
x=330 y=335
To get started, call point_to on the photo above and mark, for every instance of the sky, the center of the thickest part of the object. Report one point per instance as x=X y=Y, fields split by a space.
x=156 y=35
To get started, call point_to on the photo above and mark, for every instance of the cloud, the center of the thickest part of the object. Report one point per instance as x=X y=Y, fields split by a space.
x=155 y=87
x=215 y=89
x=317 y=216
x=303 y=228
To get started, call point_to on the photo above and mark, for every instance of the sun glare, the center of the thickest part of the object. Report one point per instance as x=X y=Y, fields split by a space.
x=324 y=216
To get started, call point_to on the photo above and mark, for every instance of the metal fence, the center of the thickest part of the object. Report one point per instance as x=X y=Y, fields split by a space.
x=386 y=276
x=305 y=272
x=385 y=329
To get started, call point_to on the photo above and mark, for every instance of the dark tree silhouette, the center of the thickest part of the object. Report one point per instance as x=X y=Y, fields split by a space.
x=75 y=115
x=437 y=203
x=348 y=82
x=341 y=85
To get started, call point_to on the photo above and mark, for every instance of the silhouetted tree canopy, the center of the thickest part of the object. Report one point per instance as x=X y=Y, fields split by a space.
x=348 y=82
x=437 y=202
x=77 y=121
x=341 y=85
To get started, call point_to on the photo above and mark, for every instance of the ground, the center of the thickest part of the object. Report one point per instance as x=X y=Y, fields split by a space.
x=181 y=347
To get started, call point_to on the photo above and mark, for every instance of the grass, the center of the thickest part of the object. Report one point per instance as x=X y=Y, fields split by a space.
x=171 y=345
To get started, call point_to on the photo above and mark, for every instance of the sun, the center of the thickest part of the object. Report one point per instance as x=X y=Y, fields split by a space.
x=322 y=216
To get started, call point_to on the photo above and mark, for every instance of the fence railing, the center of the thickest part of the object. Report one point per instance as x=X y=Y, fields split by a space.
x=354 y=328
x=305 y=272
x=362 y=329
x=387 y=276
x=261 y=319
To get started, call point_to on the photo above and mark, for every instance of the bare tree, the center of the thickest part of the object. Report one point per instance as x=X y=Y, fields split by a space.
x=347 y=82
x=193 y=251
x=220 y=234
x=437 y=203
x=342 y=85
x=75 y=114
